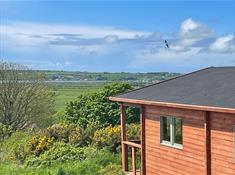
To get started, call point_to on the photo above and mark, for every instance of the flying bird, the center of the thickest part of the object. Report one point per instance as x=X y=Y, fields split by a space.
x=166 y=43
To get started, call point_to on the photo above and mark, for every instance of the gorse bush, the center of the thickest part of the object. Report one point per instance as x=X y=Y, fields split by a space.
x=39 y=144
x=96 y=107
x=61 y=131
x=133 y=131
x=87 y=134
x=110 y=137
x=71 y=133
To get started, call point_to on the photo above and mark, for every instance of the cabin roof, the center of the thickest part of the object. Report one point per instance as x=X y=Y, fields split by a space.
x=213 y=86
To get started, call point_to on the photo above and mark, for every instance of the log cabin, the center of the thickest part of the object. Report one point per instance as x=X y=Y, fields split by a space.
x=187 y=125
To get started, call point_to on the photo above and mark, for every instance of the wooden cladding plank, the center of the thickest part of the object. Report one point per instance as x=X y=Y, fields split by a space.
x=143 y=140
x=193 y=152
x=173 y=167
x=123 y=138
x=222 y=159
x=207 y=143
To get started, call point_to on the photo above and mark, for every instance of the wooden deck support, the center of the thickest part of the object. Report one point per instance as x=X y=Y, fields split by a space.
x=123 y=138
x=207 y=143
x=133 y=144
x=142 y=124
x=133 y=150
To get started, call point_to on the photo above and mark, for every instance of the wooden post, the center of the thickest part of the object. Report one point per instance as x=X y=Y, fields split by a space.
x=142 y=124
x=123 y=138
x=133 y=150
x=207 y=143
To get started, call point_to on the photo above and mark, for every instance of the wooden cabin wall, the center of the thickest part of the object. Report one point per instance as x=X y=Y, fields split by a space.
x=190 y=160
x=222 y=143
x=164 y=160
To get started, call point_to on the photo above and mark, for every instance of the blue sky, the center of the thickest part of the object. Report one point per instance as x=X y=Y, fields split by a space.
x=118 y=36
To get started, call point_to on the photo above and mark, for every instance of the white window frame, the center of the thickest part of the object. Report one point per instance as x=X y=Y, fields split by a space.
x=172 y=133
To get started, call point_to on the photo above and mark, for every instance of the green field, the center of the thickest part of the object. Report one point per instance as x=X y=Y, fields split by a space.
x=66 y=92
x=70 y=84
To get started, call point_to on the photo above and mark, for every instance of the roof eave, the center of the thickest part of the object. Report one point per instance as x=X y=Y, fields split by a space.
x=174 y=105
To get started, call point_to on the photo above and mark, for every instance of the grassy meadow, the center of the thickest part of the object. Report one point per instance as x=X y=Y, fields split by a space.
x=66 y=92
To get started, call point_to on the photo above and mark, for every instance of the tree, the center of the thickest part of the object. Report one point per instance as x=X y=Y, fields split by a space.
x=95 y=107
x=24 y=97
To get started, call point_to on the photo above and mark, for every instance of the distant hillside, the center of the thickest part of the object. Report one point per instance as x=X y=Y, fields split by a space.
x=106 y=76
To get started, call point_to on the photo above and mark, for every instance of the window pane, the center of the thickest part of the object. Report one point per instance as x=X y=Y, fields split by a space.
x=178 y=131
x=166 y=128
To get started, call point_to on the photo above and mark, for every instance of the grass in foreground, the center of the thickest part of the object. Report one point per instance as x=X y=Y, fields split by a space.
x=102 y=163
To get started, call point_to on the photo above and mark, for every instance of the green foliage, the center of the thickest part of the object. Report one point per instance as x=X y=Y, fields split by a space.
x=87 y=134
x=109 y=137
x=13 y=148
x=96 y=162
x=71 y=133
x=96 y=107
x=61 y=131
x=5 y=131
x=112 y=169
x=133 y=131
x=60 y=153
x=24 y=97
x=39 y=144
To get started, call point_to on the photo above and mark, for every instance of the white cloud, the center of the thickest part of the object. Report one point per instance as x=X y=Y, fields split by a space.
x=80 y=39
x=58 y=64
x=80 y=46
x=192 y=31
x=223 y=45
x=189 y=25
x=190 y=58
x=111 y=38
x=67 y=63
x=57 y=30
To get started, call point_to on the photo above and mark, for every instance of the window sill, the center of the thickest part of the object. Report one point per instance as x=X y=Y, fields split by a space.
x=172 y=146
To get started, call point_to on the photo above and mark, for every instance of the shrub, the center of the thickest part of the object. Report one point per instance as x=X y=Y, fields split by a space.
x=5 y=131
x=74 y=136
x=60 y=153
x=112 y=169
x=87 y=134
x=96 y=162
x=61 y=131
x=39 y=144
x=71 y=133
x=109 y=137
x=96 y=107
x=133 y=131
x=14 y=147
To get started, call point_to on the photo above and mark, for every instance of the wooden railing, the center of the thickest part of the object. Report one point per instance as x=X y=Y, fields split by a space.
x=134 y=144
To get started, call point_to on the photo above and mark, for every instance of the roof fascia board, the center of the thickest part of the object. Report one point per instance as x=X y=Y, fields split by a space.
x=175 y=105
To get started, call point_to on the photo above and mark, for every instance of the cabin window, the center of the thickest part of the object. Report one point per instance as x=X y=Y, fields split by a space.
x=171 y=131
